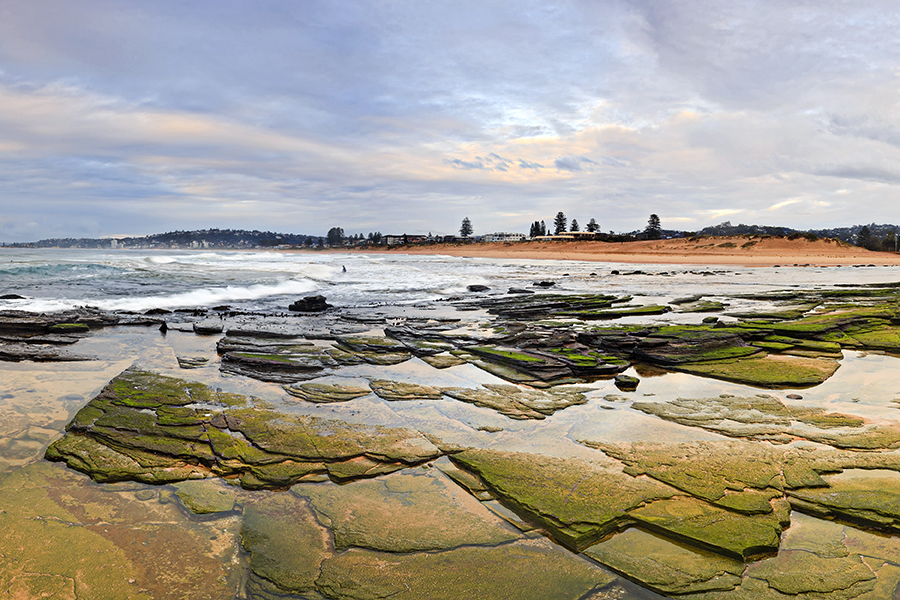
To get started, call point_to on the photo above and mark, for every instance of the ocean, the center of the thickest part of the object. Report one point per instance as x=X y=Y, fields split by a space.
x=135 y=280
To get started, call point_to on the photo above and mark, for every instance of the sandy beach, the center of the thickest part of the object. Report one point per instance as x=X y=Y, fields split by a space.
x=733 y=250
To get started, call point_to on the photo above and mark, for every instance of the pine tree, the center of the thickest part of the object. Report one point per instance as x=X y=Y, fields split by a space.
x=864 y=238
x=559 y=223
x=574 y=226
x=592 y=226
x=465 y=228
x=653 y=231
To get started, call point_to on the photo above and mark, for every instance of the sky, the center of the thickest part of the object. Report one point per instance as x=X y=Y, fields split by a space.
x=121 y=117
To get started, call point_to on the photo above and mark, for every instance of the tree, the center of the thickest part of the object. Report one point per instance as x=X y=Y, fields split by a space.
x=574 y=226
x=864 y=238
x=653 y=231
x=592 y=226
x=543 y=228
x=559 y=223
x=335 y=236
x=465 y=228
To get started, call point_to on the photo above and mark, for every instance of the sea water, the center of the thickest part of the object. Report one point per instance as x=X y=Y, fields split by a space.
x=138 y=280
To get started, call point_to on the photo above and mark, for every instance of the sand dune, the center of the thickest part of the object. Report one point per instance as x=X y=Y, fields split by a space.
x=731 y=250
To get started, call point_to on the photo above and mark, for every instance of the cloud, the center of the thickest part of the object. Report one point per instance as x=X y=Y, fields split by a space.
x=572 y=163
x=138 y=117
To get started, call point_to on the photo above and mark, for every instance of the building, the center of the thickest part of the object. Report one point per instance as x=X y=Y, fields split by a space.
x=503 y=237
x=569 y=235
x=394 y=240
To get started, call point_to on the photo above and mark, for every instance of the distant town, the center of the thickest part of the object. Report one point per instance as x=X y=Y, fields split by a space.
x=883 y=237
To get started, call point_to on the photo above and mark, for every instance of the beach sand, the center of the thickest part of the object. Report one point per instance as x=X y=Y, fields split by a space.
x=755 y=251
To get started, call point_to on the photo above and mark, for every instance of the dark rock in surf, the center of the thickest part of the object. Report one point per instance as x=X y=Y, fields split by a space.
x=310 y=304
x=627 y=383
x=478 y=288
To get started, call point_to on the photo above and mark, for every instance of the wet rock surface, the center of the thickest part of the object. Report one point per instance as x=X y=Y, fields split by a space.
x=694 y=496
x=141 y=428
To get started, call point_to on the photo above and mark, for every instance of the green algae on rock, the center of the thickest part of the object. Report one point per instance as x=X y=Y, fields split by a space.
x=326 y=392
x=396 y=391
x=533 y=568
x=121 y=435
x=870 y=498
x=699 y=523
x=717 y=471
x=520 y=403
x=274 y=527
x=773 y=371
x=404 y=512
x=666 y=566
x=64 y=537
x=578 y=501
x=205 y=497
x=764 y=417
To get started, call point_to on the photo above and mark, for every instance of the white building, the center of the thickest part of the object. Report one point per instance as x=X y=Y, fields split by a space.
x=503 y=237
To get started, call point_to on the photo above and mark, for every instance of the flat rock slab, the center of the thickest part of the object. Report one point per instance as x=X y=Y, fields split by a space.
x=147 y=427
x=700 y=523
x=62 y=534
x=326 y=392
x=871 y=498
x=205 y=496
x=796 y=572
x=410 y=511
x=773 y=371
x=578 y=501
x=665 y=566
x=274 y=529
x=520 y=403
x=532 y=569
x=396 y=391
x=764 y=417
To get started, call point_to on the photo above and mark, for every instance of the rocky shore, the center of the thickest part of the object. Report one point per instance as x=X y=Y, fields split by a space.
x=366 y=469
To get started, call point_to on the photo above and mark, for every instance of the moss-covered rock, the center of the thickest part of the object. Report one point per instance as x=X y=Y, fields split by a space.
x=718 y=472
x=409 y=511
x=796 y=572
x=871 y=498
x=274 y=528
x=530 y=569
x=773 y=371
x=65 y=537
x=206 y=496
x=764 y=417
x=665 y=566
x=326 y=392
x=398 y=391
x=68 y=328
x=578 y=501
x=520 y=403
x=700 y=523
x=140 y=427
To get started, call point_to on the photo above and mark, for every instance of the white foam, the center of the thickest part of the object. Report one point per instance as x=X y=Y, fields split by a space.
x=207 y=296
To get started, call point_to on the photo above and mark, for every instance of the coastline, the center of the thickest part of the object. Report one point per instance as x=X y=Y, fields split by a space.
x=733 y=250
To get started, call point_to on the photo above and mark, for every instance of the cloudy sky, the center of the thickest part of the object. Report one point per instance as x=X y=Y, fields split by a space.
x=122 y=117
